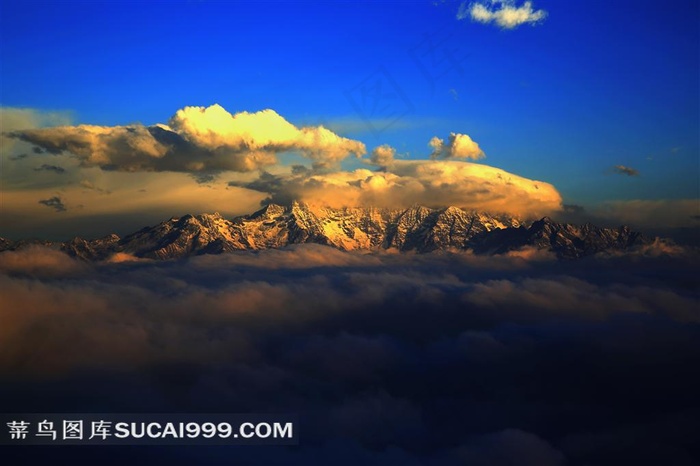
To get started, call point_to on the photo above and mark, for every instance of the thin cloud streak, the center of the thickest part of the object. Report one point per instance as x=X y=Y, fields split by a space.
x=56 y=203
x=623 y=170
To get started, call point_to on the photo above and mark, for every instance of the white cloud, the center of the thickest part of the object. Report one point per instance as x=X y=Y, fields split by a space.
x=503 y=13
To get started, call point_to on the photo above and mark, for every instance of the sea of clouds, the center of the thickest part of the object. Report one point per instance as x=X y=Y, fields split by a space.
x=434 y=359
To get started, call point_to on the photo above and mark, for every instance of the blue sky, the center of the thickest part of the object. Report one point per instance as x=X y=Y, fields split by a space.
x=595 y=85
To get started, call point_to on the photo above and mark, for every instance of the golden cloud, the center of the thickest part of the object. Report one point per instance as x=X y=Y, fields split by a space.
x=197 y=139
x=504 y=13
x=430 y=183
x=383 y=155
x=458 y=146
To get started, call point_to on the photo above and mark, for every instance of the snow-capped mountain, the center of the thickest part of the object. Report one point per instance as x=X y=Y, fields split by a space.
x=417 y=228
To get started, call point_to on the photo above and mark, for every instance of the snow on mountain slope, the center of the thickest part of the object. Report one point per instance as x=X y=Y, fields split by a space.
x=417 y=228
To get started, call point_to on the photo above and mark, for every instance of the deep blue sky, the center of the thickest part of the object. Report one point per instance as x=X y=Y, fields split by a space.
x=598 y=84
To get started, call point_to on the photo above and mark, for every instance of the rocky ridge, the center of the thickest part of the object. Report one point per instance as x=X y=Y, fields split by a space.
x=417 y=228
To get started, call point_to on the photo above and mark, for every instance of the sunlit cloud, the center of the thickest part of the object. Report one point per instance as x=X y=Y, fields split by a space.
x=504 y=13
x=266 y=131
x=383 y=155
x=458 y=146
x=197 y=139
x=62 y=192
x=430 y=183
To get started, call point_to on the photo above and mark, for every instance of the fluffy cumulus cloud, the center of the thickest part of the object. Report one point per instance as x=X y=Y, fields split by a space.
x=265 y=131
x=383 y=155
x=435 y=359
x=197 y=139
x=458 y=146
x=504 y=13
x=404 y=183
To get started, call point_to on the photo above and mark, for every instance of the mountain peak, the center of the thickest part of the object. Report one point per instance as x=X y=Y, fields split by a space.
x=268 y=211
x=546 y=221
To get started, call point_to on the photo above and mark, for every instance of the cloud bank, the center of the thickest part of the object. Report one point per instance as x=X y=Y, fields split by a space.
x=197 y=139
x=388 y=359
x=504 y=13
x=14 y=118
x=404 y=183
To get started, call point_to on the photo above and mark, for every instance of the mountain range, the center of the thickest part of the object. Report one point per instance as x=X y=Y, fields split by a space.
x=418 y=228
